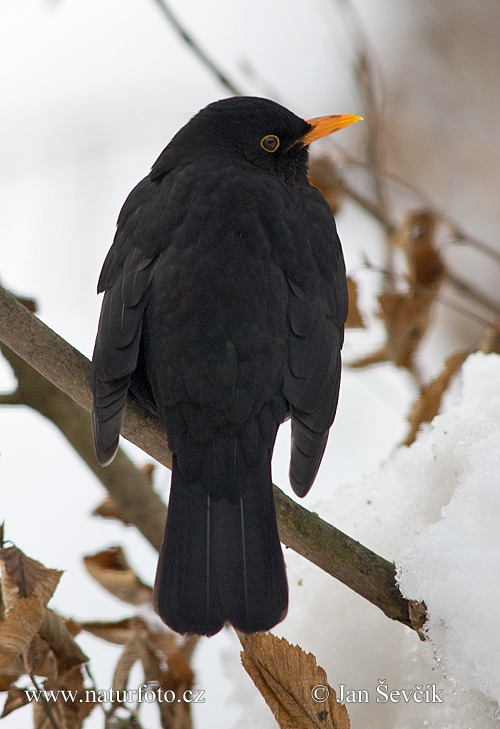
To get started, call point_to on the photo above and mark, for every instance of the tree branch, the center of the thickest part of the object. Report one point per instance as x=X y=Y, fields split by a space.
x=197 y=50
x=366 y=573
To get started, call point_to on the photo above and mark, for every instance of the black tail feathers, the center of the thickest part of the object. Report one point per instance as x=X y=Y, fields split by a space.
x=221 y=557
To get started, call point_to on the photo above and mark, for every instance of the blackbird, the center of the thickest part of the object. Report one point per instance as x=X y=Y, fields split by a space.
x=223 y=314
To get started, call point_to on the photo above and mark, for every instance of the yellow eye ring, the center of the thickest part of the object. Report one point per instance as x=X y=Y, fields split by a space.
x=270 y=143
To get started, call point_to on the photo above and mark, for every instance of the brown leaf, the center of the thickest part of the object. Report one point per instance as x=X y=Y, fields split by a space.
x=490 y=343
x=172 y=657
x=69 y=712
x=18 y=629
x=30 y=304
x=25 y=577
x=73 y=626
x=288 y=678
x=324 y=175
x=6 y=681
x=427 y=406
x=111 y=570
x=40 y=659
x=406 y=318
x=166 y=664
x=148 y=469
x=118 y=631
x=67 y=652
x=16 y=698
x=354 y=319
x=407 y=315
x=15 y=669
x=132 y=652
x=415 y=237
x=109 y=509
x=418 y=616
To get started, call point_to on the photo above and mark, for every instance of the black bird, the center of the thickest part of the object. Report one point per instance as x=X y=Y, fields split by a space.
x=224 y=314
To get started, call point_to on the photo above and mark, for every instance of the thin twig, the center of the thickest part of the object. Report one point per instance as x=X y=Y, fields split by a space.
x=372 y=208
x=197 y=50
x=465 y=289
x=47 y=708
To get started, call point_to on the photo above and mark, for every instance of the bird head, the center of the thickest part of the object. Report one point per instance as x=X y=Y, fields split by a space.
x=257 y=131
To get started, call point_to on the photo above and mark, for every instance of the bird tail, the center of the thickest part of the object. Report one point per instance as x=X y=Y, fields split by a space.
x=221 y=557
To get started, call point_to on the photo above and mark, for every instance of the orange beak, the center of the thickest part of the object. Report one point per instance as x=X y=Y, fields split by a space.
x=324 y=125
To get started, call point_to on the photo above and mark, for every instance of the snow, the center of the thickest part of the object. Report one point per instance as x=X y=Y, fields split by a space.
x=454 y=564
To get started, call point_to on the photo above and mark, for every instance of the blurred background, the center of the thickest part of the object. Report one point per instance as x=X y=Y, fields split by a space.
x=91 y=92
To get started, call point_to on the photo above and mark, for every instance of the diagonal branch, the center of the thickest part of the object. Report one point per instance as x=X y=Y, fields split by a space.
x=197 y=49
x=365 y=572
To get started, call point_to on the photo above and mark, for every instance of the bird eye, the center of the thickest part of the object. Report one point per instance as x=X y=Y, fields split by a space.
x=270 y=143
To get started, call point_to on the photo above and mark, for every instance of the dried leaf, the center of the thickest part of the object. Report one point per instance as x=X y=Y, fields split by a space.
x=6 y=681
x=148 y=469
x=111 y=570
x=118 y=632
x=490 y=343
x=427 y=406
x=407 y=315
x=132 y=652
x=288 y=678
x=406 y=318
x=418 y=616
x=47 y=715
x=18 y=629
x=25 y=577
x=69 y=713
x=166 y=664
x=324 y=175
x=40 y=659
x=16 y=698
x=67 y=652
x=415 y=237
x=354 y=319
x=15 y=669
x=30 y=304
x=172 y=658
x=109 y=509
x=73 y=626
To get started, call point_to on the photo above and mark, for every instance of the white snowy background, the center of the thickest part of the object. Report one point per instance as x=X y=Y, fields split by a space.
x=90 y=93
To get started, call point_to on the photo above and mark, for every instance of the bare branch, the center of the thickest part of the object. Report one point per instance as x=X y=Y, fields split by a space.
x=197 y=50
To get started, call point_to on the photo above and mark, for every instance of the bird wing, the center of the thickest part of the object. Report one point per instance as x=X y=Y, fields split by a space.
x=125 y=278
x=317 y=310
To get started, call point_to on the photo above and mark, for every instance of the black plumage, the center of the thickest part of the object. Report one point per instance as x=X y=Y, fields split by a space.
x=224 y=307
